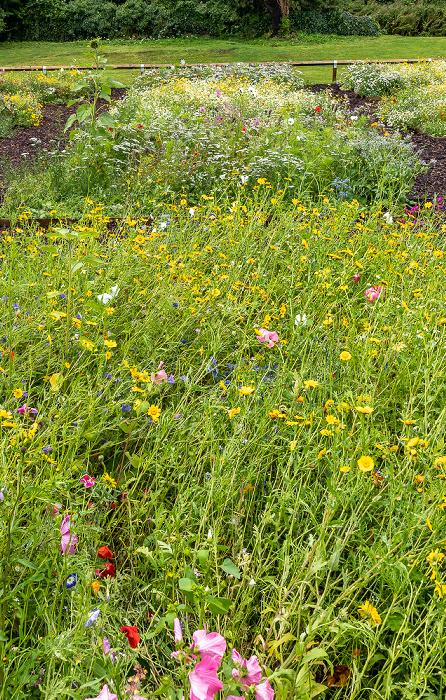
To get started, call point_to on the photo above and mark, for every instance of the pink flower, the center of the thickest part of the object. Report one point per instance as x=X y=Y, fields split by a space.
x=159 y=377
x=27 y=409
x=177 y=630
x=250 y=671
x=105 y=694
x=87 y=480
x=235 y=697
x=269 y=337
x=264 y=691
x=55 y=508
x=211 y=645
x=68 y=540
x=373 y=293
x=203 y=680
x=356 y=278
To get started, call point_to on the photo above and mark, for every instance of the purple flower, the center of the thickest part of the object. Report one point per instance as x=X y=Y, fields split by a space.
x=93 y=616
x=184 y=377
x=16 y=307
x=126 y=409
x=106 y=644
x=27 y=409
x=171 y=380
x=2 y=496
x=47 y=449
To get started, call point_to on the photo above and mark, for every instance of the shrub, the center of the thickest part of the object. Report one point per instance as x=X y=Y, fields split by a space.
x=337 y=22
x=402 y=17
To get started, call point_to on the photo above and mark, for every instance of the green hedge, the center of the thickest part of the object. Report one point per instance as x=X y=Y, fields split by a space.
x=67 y=20
x=404 y=17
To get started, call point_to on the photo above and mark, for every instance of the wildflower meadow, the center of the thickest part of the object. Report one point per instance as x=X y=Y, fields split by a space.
x=222 y=421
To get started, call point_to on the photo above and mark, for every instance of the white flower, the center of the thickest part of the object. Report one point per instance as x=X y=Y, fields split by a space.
x=244 y=179
x=106 y=298
x=300 y=320
x=252 y=582
x=191 y=211
x=353 y=118
x=388 y=217
x=290 y=121
x=210 y=534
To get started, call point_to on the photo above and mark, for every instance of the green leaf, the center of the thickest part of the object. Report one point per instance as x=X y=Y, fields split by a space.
x=127 y=427
x=314 y=654
x=134 y=460
x=203 y=556
x=230 y=568
x=73 y=102
x=185 y=584
x=70 y=120
x=106 y=119
x=114 y=83
x=395 y=621
x=3 y=637
x=218 y=606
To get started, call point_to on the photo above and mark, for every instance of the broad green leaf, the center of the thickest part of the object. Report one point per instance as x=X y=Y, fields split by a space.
x=218 y=606
x=230 y=568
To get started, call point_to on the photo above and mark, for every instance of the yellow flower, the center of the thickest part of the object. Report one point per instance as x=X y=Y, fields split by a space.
x=435 y=558
x=440 y=462
x=365 y=463
x=5 y=414
x=310 y=383
x=413 y=442
x=367 y=611
x=440 y=589
x=246 y=390
x=108 y=355
x=87 y=344
x=322 y=452
x=345 y=469
x=293 y=444
x=233 y=412
x=18 y=393
x=108 y=480
x=345 y=356
x=364 y=409
x=154 y=412
x=110 y=344
x=331 y=420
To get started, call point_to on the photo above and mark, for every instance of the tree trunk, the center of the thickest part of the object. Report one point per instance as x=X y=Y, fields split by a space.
x=274 y=8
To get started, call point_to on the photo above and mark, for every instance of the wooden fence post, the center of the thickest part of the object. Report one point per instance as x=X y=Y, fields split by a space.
x=335 y=70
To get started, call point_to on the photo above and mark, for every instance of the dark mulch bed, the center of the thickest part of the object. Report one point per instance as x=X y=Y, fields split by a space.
x=51 y=136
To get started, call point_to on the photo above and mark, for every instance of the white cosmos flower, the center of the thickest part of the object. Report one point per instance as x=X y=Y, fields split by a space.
x=106 y=298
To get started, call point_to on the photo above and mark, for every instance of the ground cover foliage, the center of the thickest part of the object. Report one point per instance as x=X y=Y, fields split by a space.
x=225 y=415
x=413 y=94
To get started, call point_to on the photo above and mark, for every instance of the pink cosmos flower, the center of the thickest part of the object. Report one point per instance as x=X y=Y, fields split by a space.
x=235 y=697
x=373 y=293
x=106 y=645
x=203 y=680
x=267 y=336
x=159 y=377
x=250 y=671
x=68 y=540
x=177 y=630
x=211 y=645
x=27 y=409
x=264 y=691
x=356 y=278
x=105 y=694
x=87 y=480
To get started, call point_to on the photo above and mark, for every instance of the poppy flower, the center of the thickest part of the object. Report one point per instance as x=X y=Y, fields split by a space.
x=105 y=553
x=132 y=635
x=108 y=571
x=317 y=109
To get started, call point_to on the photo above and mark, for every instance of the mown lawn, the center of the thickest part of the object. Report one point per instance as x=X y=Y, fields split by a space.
x=203 y=50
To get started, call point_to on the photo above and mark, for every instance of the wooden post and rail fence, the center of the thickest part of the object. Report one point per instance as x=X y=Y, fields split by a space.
x=153 y=66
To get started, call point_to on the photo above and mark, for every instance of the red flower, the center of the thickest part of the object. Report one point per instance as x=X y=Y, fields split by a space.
x=105 y=553
x=140 y=126
x=10 y=353
x=110 y=128
x=317 y=109
x=132 y=635
x=108 y=570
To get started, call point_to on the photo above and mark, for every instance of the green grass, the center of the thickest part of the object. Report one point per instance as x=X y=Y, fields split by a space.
x=202 y=50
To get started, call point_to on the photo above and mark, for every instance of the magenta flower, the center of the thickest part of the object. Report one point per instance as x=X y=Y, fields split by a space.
x=249 y=671
x=106 y=645
x=264 y=691
x=68 y=540
x=87 y=480
x=373 y=293
x=235 y=697
x=211 y=645
x=203 y=680
x=356 y=278
x=27 y=409
x=105 y=694
x=55 y=508
x=267 y=336
x=177 y=630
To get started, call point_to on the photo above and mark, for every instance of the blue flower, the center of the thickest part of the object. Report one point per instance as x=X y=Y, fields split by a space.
x=71 y=581
x=126 y=409
x=93 y=616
